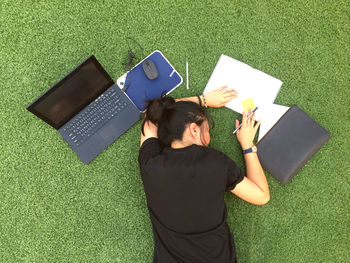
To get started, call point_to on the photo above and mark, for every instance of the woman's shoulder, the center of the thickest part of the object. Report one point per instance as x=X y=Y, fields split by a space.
x=213 y=152
x=149 y=149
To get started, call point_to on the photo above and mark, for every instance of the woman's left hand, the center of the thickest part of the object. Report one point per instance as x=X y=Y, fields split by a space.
x=220 y=97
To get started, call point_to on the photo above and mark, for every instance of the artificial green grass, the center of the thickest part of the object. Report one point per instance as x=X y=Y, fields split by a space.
x=54 y=208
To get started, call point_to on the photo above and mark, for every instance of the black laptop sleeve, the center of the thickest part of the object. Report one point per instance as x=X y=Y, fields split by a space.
x=290 y=143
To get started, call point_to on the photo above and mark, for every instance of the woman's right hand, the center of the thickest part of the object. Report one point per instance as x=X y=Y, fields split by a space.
x=220 y=97
x=245 y=135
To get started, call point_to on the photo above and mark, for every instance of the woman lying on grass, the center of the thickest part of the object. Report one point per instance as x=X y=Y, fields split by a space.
x=185 y=180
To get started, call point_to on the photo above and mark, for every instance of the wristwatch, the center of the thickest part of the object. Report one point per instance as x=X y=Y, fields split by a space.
x=250 y=150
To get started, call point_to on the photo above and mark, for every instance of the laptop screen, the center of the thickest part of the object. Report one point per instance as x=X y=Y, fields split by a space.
x=70 y=95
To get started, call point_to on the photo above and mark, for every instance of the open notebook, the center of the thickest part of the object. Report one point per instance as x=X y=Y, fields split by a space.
x=251 y=84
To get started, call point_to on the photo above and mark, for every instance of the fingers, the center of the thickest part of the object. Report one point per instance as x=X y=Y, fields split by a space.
x=231 y=92
x=249 y=127
x=252 y=120
x=244 y=118
x=257 y=125
x=226 y=89
x=229 y=98
x=226 y=93
x=220 y=96
x=236 y=124
x=248 y=121
x=222 y=88
x=226 y=99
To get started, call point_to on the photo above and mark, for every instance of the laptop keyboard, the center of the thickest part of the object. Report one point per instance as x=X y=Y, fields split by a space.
x=94 y=116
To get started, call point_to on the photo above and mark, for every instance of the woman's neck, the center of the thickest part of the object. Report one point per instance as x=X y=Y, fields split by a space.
x=180 y=144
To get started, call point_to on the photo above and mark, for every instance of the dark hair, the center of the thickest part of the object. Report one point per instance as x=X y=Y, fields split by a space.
x=172 y=117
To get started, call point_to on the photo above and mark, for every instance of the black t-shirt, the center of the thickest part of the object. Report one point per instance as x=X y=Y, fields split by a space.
x=185 y=196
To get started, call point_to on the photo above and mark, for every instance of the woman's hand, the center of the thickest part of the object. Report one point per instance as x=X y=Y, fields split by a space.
x=220 y=97
x=246 y=134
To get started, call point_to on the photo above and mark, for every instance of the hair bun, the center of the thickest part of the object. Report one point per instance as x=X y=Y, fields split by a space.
x=155 y=110
x=156 y=107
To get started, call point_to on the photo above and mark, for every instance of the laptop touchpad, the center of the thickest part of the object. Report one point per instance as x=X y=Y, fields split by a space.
x=109 y=132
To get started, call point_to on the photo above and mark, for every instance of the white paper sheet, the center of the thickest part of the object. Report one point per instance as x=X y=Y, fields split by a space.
x=247 y=81
x=270 y=114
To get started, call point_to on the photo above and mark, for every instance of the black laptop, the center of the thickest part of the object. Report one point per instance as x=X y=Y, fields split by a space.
x=87 y=108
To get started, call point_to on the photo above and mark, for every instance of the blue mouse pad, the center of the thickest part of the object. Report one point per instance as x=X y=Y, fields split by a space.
x=140 y=88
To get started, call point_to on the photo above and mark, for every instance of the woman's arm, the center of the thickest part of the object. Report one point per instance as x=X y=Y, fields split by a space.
x=151 y=130
x=254 y=188
x=215 y=99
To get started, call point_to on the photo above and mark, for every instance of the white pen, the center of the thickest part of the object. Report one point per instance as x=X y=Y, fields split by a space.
x=249 y=116
x=187 y=74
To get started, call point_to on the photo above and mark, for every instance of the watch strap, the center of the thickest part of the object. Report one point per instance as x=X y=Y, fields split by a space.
x=250 y=150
